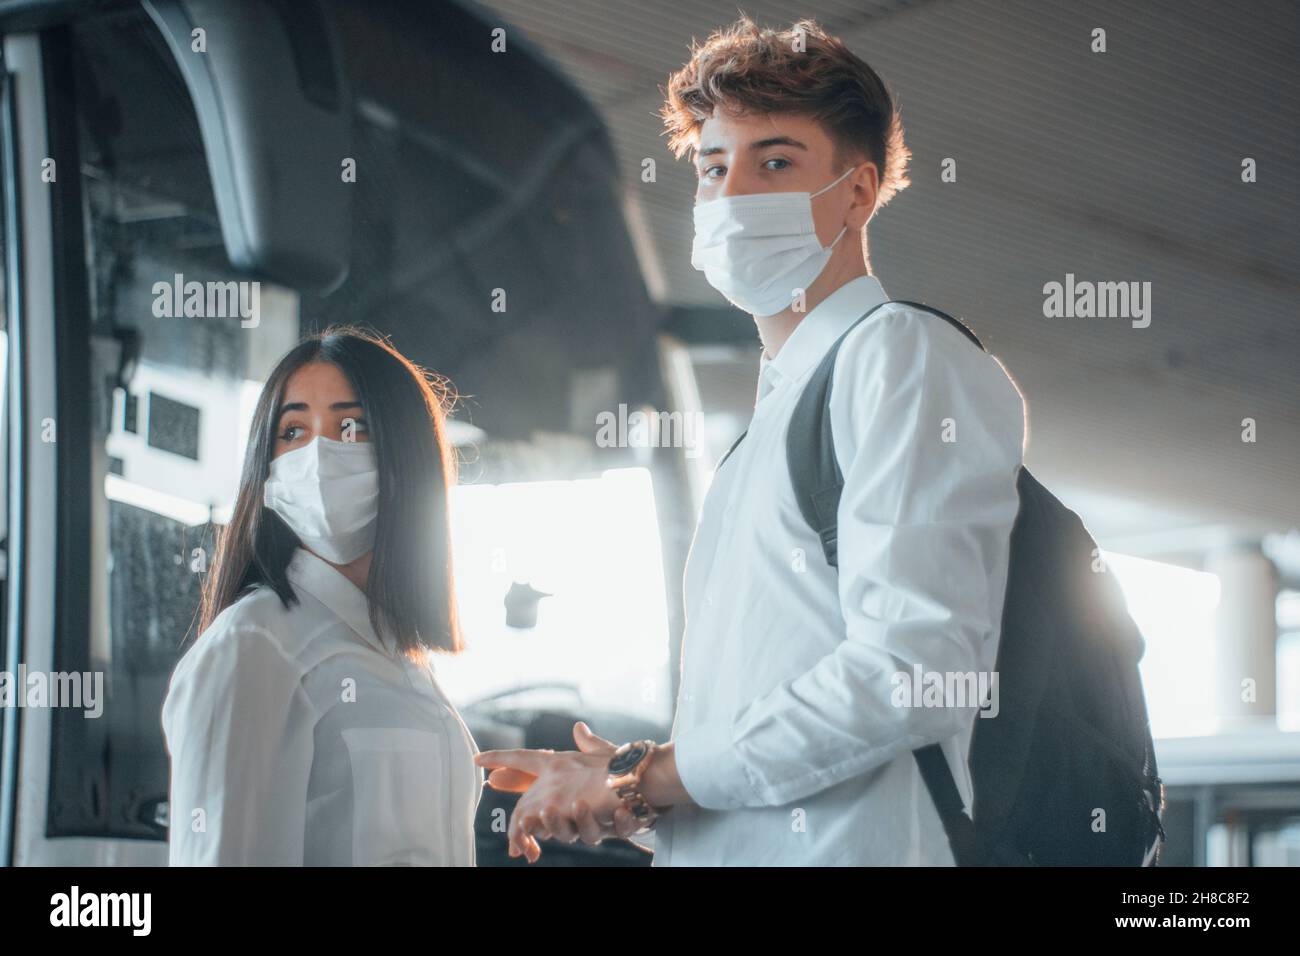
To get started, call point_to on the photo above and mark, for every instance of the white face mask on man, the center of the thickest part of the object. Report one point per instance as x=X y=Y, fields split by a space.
x=328 y=492
x=759 y=250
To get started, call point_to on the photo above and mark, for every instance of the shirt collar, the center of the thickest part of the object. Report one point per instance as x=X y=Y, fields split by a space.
x=818 y=330
x=331 y=587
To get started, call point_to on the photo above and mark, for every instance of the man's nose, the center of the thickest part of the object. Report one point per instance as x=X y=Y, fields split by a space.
x=739 y=183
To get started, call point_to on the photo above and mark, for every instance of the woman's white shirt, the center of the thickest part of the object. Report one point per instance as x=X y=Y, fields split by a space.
x=299 y=737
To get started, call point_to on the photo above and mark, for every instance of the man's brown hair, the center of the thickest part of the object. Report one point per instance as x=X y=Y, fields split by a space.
x=745 y=68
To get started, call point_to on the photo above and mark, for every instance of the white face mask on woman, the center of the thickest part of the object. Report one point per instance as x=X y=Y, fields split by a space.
x=759 y=249
x=328 y=492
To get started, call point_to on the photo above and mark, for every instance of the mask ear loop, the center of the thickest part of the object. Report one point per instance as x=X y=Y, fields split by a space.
x=813 y=196
x=835 y=183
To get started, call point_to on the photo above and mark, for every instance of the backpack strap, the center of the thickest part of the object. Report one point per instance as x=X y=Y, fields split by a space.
x=810 y=448
x=819 y=510
x=947 y=800
x=727 y=453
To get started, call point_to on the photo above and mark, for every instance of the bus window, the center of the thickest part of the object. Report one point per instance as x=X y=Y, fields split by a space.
x=175 y=363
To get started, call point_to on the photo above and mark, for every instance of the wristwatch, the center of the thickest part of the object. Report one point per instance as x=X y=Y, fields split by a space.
x=626 y=768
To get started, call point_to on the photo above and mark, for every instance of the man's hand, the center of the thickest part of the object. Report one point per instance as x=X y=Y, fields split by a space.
x=564 y=794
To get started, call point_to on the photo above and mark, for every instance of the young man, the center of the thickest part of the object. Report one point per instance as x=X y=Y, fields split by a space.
x=792 y=741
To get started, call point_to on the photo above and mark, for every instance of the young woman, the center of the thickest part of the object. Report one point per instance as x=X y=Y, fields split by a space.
x=305 y=725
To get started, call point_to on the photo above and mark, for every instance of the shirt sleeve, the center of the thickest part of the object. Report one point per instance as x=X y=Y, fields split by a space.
x=239 y=728
x=929 y=434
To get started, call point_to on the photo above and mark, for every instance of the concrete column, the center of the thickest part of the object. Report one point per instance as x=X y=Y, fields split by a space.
x=1245 y=637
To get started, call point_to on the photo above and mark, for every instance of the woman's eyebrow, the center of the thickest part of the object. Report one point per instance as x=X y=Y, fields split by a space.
x=302 y=407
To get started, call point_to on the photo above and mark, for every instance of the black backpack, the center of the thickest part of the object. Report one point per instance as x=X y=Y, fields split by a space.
x=1071 y=736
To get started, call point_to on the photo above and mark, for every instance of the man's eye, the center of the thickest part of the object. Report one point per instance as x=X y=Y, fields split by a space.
x=784 y=163
x=708 y=171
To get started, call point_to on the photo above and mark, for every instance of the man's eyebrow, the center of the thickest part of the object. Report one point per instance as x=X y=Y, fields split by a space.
x=777 y=141
x=757 y=144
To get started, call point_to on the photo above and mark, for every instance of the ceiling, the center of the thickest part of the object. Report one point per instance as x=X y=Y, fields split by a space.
x=1115 y=166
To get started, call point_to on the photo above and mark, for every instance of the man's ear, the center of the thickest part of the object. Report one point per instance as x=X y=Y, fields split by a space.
x=866 y=190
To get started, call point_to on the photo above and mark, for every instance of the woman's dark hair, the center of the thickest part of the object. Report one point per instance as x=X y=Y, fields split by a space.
x=410 y=585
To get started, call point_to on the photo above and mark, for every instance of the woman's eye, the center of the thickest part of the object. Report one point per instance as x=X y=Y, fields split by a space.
x=291 y=433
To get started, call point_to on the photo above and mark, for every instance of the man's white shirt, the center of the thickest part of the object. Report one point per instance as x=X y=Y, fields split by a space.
x=787 y=733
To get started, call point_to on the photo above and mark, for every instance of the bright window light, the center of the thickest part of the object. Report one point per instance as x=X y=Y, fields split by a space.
x=1174 y=608
x=1288 y=660
x=169 y=506
x=594 y=545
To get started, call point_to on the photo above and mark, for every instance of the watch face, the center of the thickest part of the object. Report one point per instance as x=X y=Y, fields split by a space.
x=625 y=761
